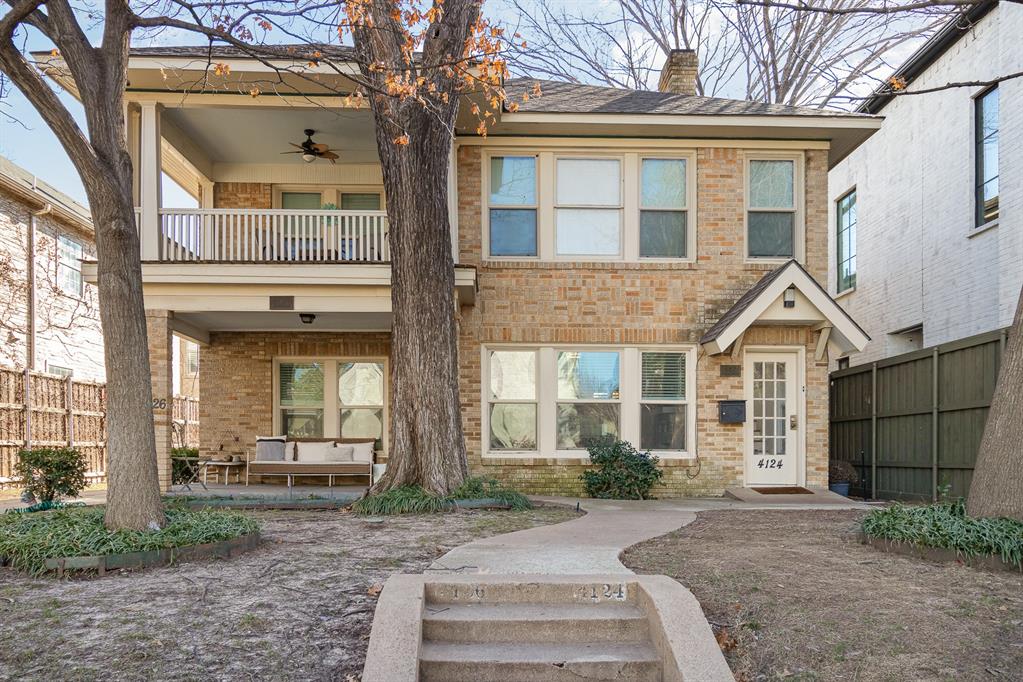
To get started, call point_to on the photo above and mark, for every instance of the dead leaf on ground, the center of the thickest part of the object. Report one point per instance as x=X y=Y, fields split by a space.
x=375 y=589
x=725 y=640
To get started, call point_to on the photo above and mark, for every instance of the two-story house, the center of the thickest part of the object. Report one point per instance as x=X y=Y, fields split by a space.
x=645 y=265
x=927 y=215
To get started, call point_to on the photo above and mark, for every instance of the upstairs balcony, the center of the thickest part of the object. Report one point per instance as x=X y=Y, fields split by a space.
x=223 y=235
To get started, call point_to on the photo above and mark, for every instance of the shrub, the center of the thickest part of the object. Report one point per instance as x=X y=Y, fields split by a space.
x=180 y=470
x=840 y=471
x=28 y=540
x=51 y=473
x=622 y=473
x=411 y=499
x=945 y=525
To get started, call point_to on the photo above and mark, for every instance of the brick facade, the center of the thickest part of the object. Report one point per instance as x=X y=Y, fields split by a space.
x=547 y=303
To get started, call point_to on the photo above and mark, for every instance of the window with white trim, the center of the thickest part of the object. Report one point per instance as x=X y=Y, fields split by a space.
x=58 y=370
x=360 y=392
x=512 y=405
x=662 y=208
x=845 y=239
x=556 y=401
x=663 y=406
x=512 y=206
x=771 y=222
x=69 y=265
x=588 y=207
x=986 y=142
x=301 y=399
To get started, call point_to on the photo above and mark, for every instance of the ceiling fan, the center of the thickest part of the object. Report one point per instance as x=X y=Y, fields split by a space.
x=311 y=151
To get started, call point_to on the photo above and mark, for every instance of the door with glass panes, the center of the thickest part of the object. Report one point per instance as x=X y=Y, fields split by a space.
x=773 y=419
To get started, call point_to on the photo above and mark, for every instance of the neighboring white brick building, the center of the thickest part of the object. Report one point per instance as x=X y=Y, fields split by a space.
x=48 y=322
x=928 y=271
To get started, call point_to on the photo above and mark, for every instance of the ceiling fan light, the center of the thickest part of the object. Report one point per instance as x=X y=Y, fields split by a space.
x=308 y=158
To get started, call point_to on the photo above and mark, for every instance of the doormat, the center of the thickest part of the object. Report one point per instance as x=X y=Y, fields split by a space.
x=783 y=490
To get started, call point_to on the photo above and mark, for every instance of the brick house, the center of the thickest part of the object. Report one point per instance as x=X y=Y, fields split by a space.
x=49 y=314
x=624 y=262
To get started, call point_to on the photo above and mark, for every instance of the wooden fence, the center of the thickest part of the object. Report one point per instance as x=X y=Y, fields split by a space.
x=912 y=424
x=42 y=410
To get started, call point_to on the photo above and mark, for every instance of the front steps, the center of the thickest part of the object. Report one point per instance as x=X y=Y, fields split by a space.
x=550 y=628
x=560 y=640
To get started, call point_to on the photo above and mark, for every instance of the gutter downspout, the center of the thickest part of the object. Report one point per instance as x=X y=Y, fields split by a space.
x=30 y=337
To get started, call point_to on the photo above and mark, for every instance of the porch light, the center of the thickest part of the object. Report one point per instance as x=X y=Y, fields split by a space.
x=790 y=297
x=307 y=318
x=308 y=158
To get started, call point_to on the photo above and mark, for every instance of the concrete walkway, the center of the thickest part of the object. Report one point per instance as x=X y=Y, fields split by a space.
x=590 y=544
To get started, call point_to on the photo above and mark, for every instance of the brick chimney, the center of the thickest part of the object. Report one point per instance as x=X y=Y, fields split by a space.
x=678 y=74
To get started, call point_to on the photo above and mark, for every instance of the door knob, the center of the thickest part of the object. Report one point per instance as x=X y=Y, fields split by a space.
x=793 y=421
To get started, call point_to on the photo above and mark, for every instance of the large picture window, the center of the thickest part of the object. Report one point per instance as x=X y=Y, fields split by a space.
x=559 y=401
x=512 y=203
x=662 y=208
x=588 y=203
x=986 y=136
x=771 y=208
x=845 y=238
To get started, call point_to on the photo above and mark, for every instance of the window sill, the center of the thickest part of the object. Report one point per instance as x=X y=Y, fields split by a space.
x=990 y=225
x=844 y=293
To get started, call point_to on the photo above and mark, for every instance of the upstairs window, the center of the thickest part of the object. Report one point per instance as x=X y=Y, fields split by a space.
x=846 y=241
x=986 y=136
x=588 y=207
x=512 y=203
x=662 y=208
x=69 y=265
x=771 y=208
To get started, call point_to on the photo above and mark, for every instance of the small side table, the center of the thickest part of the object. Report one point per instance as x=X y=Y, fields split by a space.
x=226 y=467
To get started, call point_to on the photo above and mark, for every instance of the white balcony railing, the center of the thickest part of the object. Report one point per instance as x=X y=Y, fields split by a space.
x=272 y=236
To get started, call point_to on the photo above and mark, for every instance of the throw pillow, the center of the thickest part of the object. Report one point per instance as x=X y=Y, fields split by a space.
x=340 y=453
x=314 y=452
x=289 y=451
x=363 y=452
x=270 y=449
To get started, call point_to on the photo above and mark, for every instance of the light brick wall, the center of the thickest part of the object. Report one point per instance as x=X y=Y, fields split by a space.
x=242 y=195
x=68 y=330
x=161 y=360
x=640 y=303
x=916 y=259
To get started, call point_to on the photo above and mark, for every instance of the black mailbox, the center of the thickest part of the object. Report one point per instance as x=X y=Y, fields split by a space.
x=732 y=411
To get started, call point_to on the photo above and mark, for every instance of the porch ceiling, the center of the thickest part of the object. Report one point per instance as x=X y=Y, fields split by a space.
x=233 y=321
x=260 y=134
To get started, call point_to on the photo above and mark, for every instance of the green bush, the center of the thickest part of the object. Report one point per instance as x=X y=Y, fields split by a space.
x=28 y=540
x=945 y=525
x=412 y=499
x=180 y=470
x=622 y=472
x=51 y=473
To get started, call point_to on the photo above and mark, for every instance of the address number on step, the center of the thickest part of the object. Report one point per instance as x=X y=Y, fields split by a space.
x=615 y=592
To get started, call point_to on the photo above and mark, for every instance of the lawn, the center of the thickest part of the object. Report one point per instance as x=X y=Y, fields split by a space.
x=299 y=607
x=792 y=595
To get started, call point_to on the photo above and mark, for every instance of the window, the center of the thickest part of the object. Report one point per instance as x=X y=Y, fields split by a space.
x=304 y=201
x=512 y=400
x=360 y=201
x=986 y=136
x=771 y=208
x=360 y=392
x=843 y=363
x=846 y=241
x=59 y=371
x=663 y=408
x=301 y=399
x=192 y=359
x=69 y=265
x=588 y=394
x=588 y=207
x=662 y=208
x=512 y=203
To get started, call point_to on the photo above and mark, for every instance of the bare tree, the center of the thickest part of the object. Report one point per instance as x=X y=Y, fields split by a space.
x=414 y=102
x=757 y=52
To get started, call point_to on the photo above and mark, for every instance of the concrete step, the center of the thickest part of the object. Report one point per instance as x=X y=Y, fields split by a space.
x=530 y=592
x=507 y=662
x=516 y=622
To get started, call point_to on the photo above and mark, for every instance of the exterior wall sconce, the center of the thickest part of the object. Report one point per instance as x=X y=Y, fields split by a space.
x=307 y=318
x=789 y=299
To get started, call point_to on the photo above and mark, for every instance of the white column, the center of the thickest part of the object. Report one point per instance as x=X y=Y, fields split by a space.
x=149 y=185
x=132 y=125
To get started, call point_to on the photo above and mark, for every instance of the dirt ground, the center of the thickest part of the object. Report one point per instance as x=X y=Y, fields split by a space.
x=793 y=596
x=298 y=608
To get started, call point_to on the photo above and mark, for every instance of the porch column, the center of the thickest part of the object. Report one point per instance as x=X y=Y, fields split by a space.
x=132 y=131
x=161 y=364
x=149 y=181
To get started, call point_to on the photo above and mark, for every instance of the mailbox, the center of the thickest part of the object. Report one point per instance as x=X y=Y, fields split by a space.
x=732 y=411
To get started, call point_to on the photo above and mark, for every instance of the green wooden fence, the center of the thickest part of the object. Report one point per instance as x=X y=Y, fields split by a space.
x=913 y=423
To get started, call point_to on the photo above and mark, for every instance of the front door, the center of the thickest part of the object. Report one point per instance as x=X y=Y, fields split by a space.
x=772 y=418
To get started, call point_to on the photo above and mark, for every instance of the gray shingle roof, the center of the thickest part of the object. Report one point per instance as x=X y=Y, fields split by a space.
x=576 y=98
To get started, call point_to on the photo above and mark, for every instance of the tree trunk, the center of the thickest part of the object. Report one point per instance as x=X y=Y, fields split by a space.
x=997 y=485
x=426 y=443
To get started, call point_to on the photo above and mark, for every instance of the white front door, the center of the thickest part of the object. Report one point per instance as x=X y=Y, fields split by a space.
x=773 y=418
